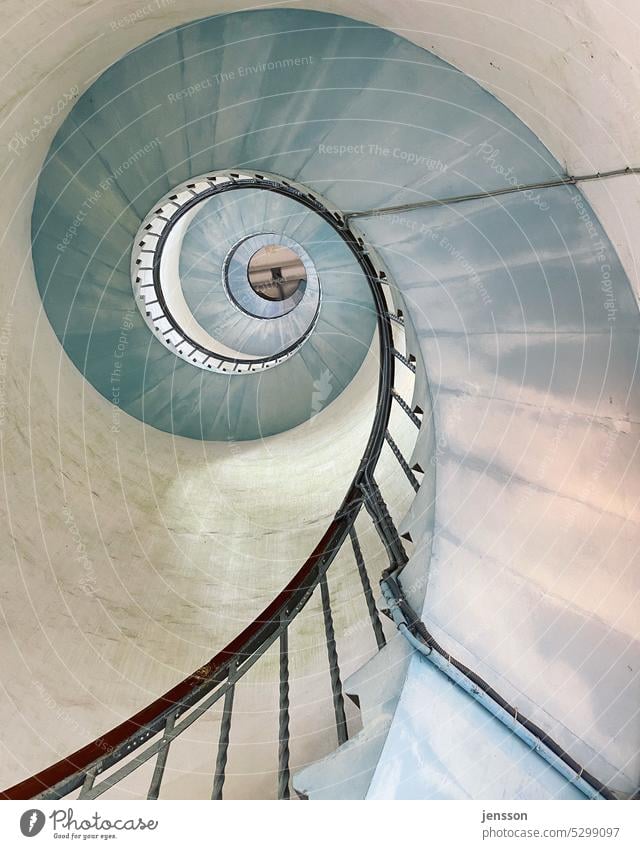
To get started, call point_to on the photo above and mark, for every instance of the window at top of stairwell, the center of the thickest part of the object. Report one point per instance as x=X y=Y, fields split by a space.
x=276 y=272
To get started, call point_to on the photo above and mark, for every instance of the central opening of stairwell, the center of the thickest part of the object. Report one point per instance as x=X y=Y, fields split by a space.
x=275 y=272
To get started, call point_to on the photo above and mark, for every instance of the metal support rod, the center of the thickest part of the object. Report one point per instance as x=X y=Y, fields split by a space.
x=283 y=725
x=384 y=525
x=161 y=759
x=411 y=366
x=398 y=319
x=481 y=692
x=402 y=403
x=89 y=778
x=366 y=589
x=567 y=180
x=413 y=480
x=223 y=744
x=334 y=669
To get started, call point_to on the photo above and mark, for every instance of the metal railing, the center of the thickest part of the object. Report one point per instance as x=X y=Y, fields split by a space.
x=151 y=732
x=146 y=263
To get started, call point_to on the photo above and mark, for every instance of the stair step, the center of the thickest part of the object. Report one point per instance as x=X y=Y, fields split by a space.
x=376 y=687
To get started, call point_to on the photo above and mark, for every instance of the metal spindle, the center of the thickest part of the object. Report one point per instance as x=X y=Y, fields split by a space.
x=334 y=669
x=384 y=525
x=87 y=785
x=283 y=726
x=161 y=759
x=366 y=589
x=223 y=743
x=411 y=366
x=402 y=403
x=413 y=480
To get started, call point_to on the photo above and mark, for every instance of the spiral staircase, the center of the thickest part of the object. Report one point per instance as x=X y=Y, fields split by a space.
x=322 y=475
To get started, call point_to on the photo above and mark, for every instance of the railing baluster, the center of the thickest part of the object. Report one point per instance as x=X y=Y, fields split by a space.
x=89 y=778
x=334 y=669
x=411 y=366
x=161 y=759
x=413 y=480
x=398 y=319
x=283 y=725
x=223 y=743
x=402 y=403
x=366 y=589
x=384 y=525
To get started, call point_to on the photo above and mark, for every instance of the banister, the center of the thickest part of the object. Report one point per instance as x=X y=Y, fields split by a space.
x=70 y=772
